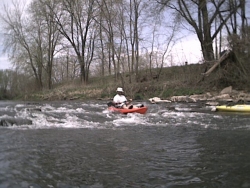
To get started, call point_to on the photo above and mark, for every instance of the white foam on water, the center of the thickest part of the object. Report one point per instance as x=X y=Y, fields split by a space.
x=92 y=115
x=106 y=111
x=64 y=109
x=174 y=114
x=47 y=107
x=5 y=116
x=41 y=121
x=20 y=105
x=130 y=119
x=23 y=114
x=186 y=118
x=6 y=109
x=107 y=114
x=183 y=109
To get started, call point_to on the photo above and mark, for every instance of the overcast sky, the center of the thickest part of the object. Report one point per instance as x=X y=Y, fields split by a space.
x=182 y=51
x=187 y=49
x=4 y=61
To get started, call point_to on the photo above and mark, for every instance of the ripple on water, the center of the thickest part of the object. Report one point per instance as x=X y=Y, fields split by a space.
x=165 y=149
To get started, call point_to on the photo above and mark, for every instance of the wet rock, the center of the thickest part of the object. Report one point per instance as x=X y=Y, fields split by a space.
x=226 y=90
x=6 y=122
x=222 y=96
x=34 y=109
x=212 y=103
x=158 y=100
x=225 y=96
x=182 y=99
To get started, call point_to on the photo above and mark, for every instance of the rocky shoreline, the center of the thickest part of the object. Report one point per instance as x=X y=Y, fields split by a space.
x=227 y=95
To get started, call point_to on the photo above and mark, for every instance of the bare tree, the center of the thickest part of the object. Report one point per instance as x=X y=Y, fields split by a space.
x=135 y=13
x=201 y=15
x=32 y=40
x=110 y=36
x=19 y=41
x=74 y=22
x=48 y=37
x=5 y=80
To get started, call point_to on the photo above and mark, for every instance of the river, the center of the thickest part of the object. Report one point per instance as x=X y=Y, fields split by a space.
x=77 y=144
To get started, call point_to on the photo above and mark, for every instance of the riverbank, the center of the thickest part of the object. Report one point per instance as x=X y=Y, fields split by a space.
x=165 y=84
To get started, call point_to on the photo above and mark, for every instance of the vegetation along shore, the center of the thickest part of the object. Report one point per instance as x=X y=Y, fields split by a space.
x=59 y=51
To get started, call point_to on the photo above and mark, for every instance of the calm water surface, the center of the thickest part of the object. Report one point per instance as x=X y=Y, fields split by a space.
x=81 y=144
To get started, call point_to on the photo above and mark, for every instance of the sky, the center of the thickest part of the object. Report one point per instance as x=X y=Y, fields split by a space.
x=186 y=50
x=4 y=61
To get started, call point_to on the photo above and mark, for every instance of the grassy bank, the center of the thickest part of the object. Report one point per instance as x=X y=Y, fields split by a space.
x=178 y=80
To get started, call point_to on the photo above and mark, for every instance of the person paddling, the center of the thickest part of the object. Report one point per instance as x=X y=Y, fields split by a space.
x=121 y=101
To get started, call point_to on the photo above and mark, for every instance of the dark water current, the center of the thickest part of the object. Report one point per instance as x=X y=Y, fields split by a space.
x=80 y=144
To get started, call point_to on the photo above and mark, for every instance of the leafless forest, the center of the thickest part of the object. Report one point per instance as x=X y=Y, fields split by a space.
x=55 y=42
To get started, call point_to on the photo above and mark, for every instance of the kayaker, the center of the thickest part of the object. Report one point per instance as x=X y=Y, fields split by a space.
x=121 y=101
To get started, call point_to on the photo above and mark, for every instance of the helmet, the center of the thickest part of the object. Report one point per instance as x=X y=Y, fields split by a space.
x=119 y=89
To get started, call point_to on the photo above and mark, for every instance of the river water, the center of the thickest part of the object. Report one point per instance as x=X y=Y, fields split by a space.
x=80 y=144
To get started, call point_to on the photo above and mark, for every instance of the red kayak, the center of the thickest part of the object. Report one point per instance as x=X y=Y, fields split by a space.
x=141 y=110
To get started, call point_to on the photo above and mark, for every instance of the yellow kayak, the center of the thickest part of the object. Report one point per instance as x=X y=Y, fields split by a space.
x=234 y=108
